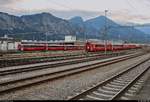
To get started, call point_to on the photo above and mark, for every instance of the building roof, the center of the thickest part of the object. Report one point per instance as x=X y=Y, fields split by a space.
x=9 y=39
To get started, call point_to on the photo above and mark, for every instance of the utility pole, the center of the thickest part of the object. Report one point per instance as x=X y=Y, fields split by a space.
x=83 y=31
x=46 y=41
x=105 y=34
x=46 y=36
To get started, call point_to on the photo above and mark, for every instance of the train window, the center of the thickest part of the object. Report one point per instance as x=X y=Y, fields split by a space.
x=33 y=46
x=56 y=46
x=99 y=46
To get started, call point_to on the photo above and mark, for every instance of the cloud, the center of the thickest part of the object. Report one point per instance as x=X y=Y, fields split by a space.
x=119 y=15
x=6 y=2
x=59 y=13
x=8 y=6
x=126 y=15
x=25 y=7
x=68 y=14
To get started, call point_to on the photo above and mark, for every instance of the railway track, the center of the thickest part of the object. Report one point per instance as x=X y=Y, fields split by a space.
x=6 y=62
x=14 y=61
x=120 y=86
x=14 y=70
x=52 y=64
x=24 y=81
x=23 y=61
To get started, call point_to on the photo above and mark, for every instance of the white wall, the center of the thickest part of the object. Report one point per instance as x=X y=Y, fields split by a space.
x=4 y=46
x=70 y=38
x=8 y=46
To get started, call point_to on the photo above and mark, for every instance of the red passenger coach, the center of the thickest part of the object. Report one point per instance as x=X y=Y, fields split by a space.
x=55 y=47
x=49 y=47
x=65 y=47
x=88 y=46
x=31 y=47
x=74 y=47
x=94 y=47
x=117 y=47
x=131 y=46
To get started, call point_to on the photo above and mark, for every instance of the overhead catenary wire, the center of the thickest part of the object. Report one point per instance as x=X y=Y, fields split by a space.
x=131 y=4
x=61 y=5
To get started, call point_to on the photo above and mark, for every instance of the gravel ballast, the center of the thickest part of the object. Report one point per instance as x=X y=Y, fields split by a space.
x=64 y=87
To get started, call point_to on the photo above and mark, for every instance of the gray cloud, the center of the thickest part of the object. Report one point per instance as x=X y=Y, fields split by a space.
x=5 y=2
x=63 y=14
x=120 y=15
x=123 y=15
x=72 y=13
x=5 y=6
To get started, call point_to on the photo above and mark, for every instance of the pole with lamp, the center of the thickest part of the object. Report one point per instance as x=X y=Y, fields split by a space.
x=105 y=34
x=46 y=41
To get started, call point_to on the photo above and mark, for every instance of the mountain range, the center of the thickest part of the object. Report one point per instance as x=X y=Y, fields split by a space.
x=142 y=27
x=145 y=28
x=37 y=26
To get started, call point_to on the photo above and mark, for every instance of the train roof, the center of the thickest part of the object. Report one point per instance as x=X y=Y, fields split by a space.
x=48 y=45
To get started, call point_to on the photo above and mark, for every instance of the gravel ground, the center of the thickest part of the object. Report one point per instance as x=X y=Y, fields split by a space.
x=64 y=87
x=48 y=70
x=41 y=53
x=144 y=93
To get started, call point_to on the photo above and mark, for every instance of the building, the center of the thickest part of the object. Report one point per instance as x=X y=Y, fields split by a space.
x=70 y=38
x=8 y=44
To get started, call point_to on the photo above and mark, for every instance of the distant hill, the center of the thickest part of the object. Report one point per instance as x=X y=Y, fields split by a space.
x=78 y=26
x=11 y=24
x=31 y=26
x=46 y=22
x=95 y=28
x=144 y=28
x=35 y=27
x=77 y=20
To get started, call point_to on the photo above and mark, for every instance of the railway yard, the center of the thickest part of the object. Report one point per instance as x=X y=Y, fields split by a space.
x=72 y=50
x=75 y=75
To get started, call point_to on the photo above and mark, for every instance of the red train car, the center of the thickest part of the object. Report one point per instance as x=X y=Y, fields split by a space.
x=50 y=47
x=65 y=47
x=55 y=47
x=94 y=47
x=31 y=47
x=88 y=46
x=117 y=47
x=131 y=46
x=74 y=47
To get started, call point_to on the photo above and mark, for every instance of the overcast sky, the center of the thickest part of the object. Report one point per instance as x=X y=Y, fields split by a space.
x=137 y=11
